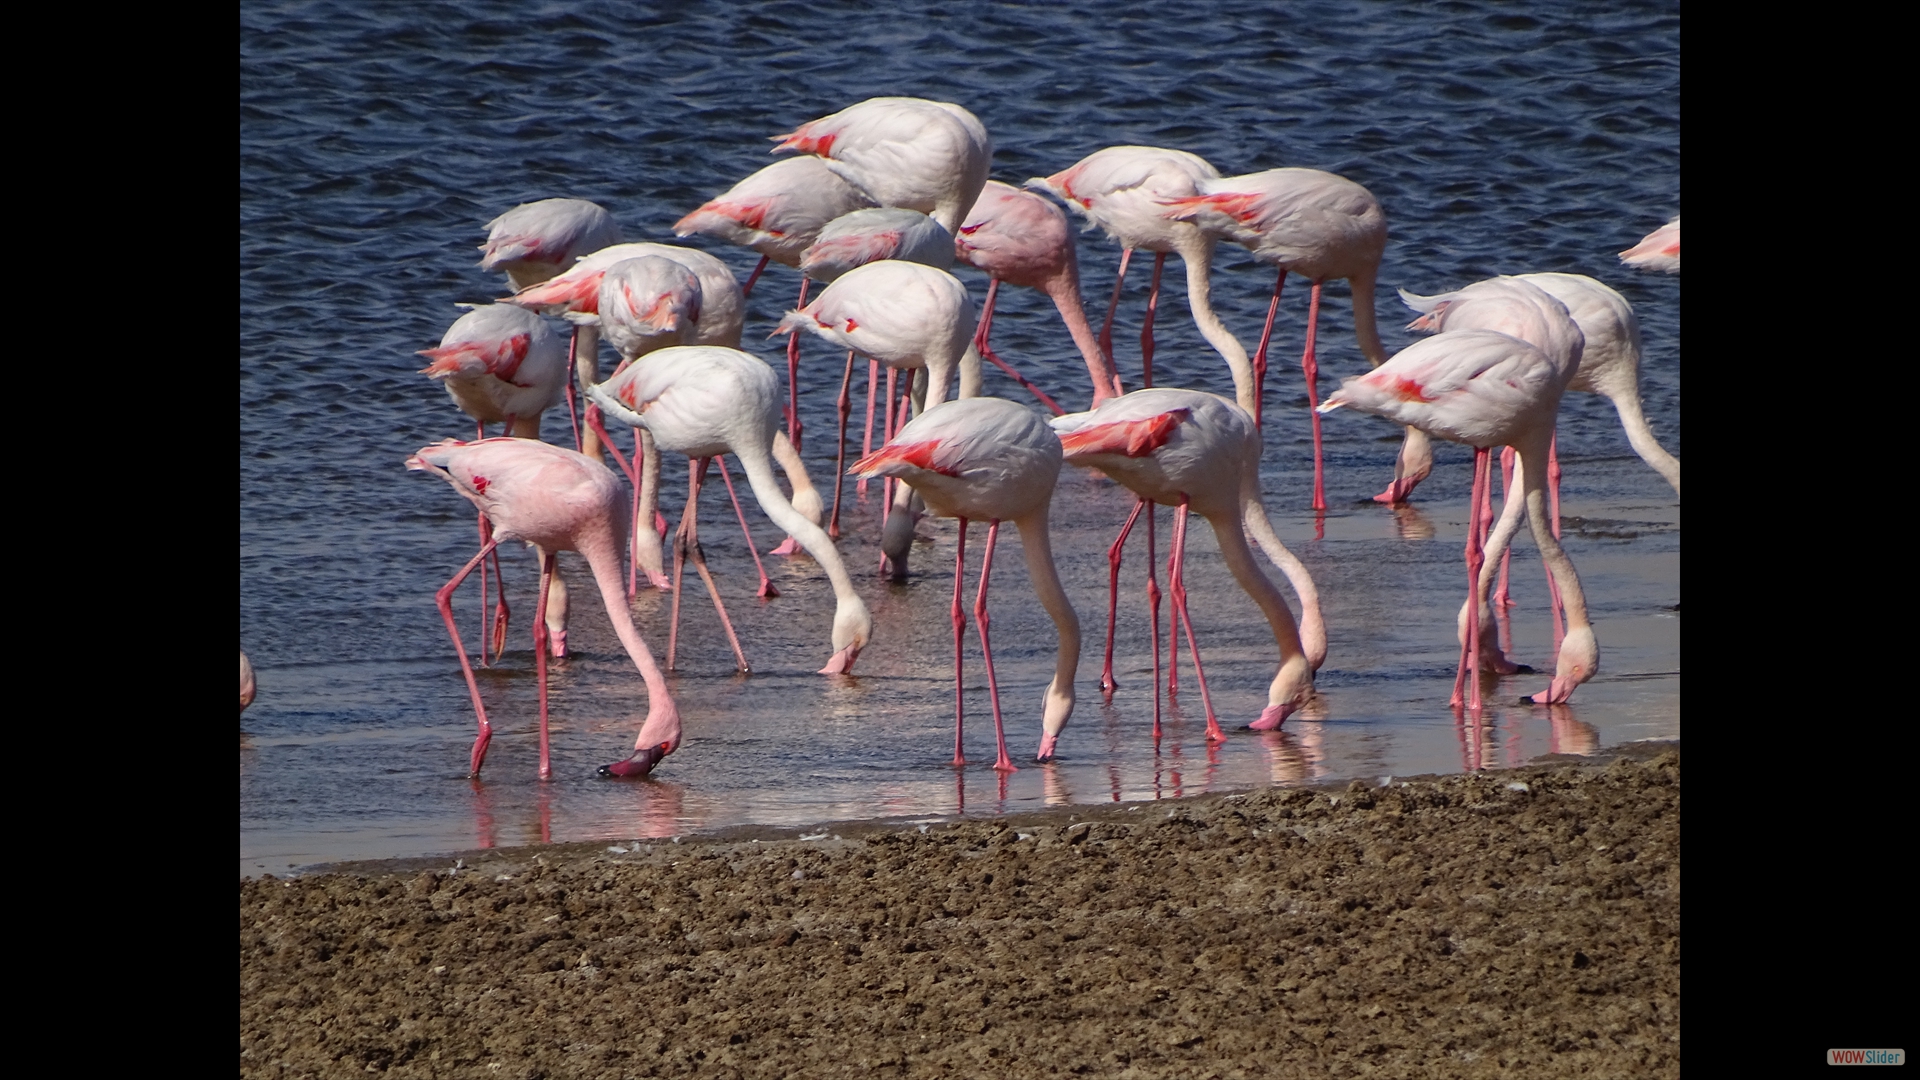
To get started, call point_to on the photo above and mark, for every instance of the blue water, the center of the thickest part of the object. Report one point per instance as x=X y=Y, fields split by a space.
x=377 y=140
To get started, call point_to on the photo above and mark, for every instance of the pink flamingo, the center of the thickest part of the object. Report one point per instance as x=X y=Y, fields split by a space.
x=859 y=237
x=1320 y=226
x=705 y=401
x=652 y=303
x=503 y=365
x=908 y=317
x=1197 y=451
x=534 y=241
x=1021 y=238
x=722 y=313
x=930 y=156
x=988 y=458
x=1658 y=250
x=1486 y=389
x=1124 y=190
x=557 y=500
x=246 y=681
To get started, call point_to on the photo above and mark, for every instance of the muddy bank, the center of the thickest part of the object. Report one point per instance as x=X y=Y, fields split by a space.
x=1522 y=922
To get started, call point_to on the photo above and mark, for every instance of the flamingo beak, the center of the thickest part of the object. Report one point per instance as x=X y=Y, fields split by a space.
x=1271 y=718
x=639 y=765
x=1046 y=747
x=842 y=662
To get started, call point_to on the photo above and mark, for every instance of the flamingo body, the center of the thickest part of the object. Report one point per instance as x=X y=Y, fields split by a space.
x=534 y=241
x=885 y=232
x=1658 y=250
x=1313 y=223
x=903 y=314
x=500 y=363
x=778 y=211
x=930 y=156
x=722 y=308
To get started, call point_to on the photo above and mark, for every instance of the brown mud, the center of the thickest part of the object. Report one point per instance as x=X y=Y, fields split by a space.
x=1522 y=922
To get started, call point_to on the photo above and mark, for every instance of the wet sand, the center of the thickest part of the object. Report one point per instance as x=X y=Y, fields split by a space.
x=1521 y=922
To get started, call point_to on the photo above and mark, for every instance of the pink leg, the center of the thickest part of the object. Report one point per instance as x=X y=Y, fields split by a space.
x=866 y=444
x=1501 y=597
x=794 y=427
x=840 y=457
x=766 y=591
x=1153 y=602
x=1177 y=586
x=958 y=615
x=747 y=289
x=444 y=600
x=573 y=416
x=980 y=621
x=687 y=544
x=486 y=533
x=886 y=483
x=980 y=343
x=540 y=657
x=1553 y=587
x=1113 y=305
x=1470 y=656
x=1312 y=370
x=1260 y=354
x=1146 y=327
x=1107 y=683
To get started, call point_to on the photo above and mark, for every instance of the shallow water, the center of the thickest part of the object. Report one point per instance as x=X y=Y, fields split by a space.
x=376 y=143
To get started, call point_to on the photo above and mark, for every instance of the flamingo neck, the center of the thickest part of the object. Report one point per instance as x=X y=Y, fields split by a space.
x=1036 y=541
x=1195 y=249
x=1295 y=677
x=852 y=623
x=663 y=718
x=1063 y=289
x=1365 y=326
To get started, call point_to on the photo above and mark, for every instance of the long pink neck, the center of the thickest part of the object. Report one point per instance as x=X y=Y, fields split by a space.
x=663 y=718
x=1196 y=253
x=1064 y=289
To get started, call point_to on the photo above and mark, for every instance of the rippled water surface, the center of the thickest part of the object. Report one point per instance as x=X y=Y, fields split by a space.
x=377 y=140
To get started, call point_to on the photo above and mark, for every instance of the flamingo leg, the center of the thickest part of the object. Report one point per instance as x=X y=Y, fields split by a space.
x=958 y=615
x=1004 y=763
x=766 y=590
x=573 y=415
x=443 y=599
x=1553 y=586
x=1470 y=660
x=845 y=405
x=1146 y=327
x=794 y=427
x=747 y=289
x=1113 y=305
x=688 y=543
x=980 y=344
x=886 y=484
x=1501 y=596
x=1312 y=371
x=1153 y=602
x=500 y=612
x=485 y=534
x=1107 y=682
x=547 y=561
x=866 y=444
x=1260 y=354
x=1177 y=586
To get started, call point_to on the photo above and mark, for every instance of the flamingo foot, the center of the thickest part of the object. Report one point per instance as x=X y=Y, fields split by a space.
x=1108 y=685
x=789 y=546
x=479 y=751
x=1046 y=748
x=1271 y=718
x=1005 y=764
x=637 y=766
x=1397 y=492
x=842 y=662
x=766 y=590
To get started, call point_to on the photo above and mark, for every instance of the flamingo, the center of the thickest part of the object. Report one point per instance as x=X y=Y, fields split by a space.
x=1199 y=451
x=557 y=500
x=1020 y=238
x=246 y=681
x=906 y=316
x=534 y=241
x=1522 y=309
x=1123 y=189
x=989 y=458
x=703 y=401
x=503 y=365
x=1485 y=389
x=1320 y=226
x=859 y=237
x=1658 y=250
x=778 y=212
x=930 y=156
x=722 y=314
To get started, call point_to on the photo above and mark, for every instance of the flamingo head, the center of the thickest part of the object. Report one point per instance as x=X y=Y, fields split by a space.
x=1579 y=659
x=1059 y=709
x=639 y=764
x=852 y=629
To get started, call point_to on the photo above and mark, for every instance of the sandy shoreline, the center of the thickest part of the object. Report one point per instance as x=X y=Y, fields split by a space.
x=1512 y=922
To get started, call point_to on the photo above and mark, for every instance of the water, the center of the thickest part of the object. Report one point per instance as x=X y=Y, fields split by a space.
x=376 y=141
